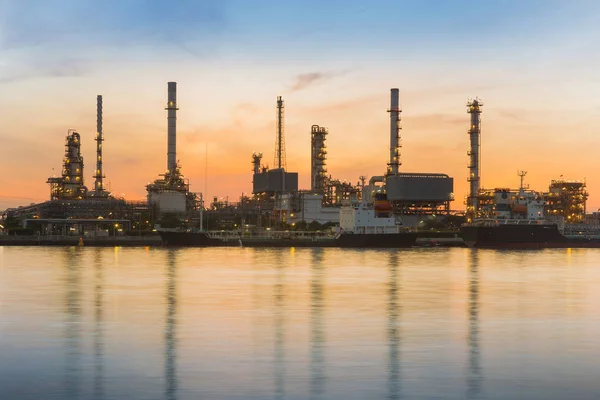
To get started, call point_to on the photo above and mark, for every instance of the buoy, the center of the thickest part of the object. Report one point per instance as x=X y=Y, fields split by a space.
x=80 y=241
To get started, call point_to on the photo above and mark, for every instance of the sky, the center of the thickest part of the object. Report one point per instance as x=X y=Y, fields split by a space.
x=534 y=64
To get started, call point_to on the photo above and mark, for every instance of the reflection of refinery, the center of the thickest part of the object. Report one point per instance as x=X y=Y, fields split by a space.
x=276 y=199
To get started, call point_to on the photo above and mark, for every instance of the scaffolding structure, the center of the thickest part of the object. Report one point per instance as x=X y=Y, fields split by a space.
x=566 y=199
x=70 y=184
x=339 y=192
x=256 y=159
x=318 y=159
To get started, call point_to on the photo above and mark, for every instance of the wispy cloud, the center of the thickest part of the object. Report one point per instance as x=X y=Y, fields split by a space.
x=59 y=69
x=303 y=81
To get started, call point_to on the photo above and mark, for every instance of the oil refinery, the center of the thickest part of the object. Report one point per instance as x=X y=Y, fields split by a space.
x=276 y=199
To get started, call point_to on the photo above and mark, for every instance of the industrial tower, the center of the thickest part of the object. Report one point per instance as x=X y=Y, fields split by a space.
x=98 y=185
x=395 y=126
x=474 y=108
x=172 y=193
x=70 y=184
x=256 y=158
x=318 y=159
x=172 y=126
x=280 y=140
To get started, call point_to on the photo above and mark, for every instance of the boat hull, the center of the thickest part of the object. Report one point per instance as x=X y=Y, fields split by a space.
x=522 y=237
x=201 y=239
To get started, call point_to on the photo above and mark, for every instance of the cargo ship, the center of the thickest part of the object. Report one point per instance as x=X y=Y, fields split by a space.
x=362 y=225
x=520 y=223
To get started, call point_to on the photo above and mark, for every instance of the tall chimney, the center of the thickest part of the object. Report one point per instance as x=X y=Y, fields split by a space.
x=172 y=126
x=395 y=127
x=280 y=139
x=474 y=108
x=98 y=187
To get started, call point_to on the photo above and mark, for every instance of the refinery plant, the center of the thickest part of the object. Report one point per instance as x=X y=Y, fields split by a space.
x=276 y=199
x=564 y=202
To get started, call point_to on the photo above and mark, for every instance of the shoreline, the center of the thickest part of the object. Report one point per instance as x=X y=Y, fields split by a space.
x=155 y=240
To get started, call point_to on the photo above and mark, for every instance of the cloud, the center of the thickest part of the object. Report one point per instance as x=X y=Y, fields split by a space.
x=60 y=69
x=303 y=81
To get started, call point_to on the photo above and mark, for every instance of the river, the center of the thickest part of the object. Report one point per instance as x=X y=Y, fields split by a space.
x=241 y=323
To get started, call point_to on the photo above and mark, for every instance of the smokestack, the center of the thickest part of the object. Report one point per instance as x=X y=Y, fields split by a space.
x=474 y=108
x=395 y=127
x=172 y=126
x=98 y=187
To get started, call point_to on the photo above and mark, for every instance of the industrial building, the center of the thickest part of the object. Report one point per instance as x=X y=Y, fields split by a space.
x=414 y=196
x=564 y=202
x=75 y=210
x=171 y=193
x=566 y=199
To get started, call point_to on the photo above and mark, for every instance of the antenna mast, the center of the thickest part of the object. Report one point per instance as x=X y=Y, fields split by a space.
x=522 y=176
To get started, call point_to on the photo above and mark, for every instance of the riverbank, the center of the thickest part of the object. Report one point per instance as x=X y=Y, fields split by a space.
x=55 y=240
x=154 y=240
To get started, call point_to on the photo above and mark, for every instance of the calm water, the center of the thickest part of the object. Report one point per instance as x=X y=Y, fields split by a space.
x=239 y=323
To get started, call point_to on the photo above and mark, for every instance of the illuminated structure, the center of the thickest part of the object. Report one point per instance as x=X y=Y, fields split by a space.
x=566 y=199
x=171 y=193
x=395 y=144
x=412 y=195
x=70 y=184
x=318 y=159
x=474 y=108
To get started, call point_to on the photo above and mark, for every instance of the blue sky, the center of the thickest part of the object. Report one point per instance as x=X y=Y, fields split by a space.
x=533 y=62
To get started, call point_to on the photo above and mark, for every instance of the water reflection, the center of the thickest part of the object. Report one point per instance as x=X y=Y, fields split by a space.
x=279 y=323
x=98 y=326
x=317 y=342
x=475 y=376
x=73 y=377
x=171 y=327
x=393 y=331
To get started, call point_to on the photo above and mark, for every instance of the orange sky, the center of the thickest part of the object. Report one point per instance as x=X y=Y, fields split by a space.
x=516 y=133
x=538 y=81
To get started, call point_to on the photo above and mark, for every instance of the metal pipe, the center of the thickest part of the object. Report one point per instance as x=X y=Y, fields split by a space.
x=395 y=127
x=171 y=126
x=372 y=186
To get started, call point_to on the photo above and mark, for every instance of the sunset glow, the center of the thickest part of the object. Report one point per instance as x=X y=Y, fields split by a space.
x=533 y=63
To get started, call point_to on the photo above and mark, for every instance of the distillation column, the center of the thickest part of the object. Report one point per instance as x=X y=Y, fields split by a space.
x=172 y=126
x=395 y=127
x=280 y=141
x=318 y=158
x=256 y=157
x=98 y=186
x=474 y=108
